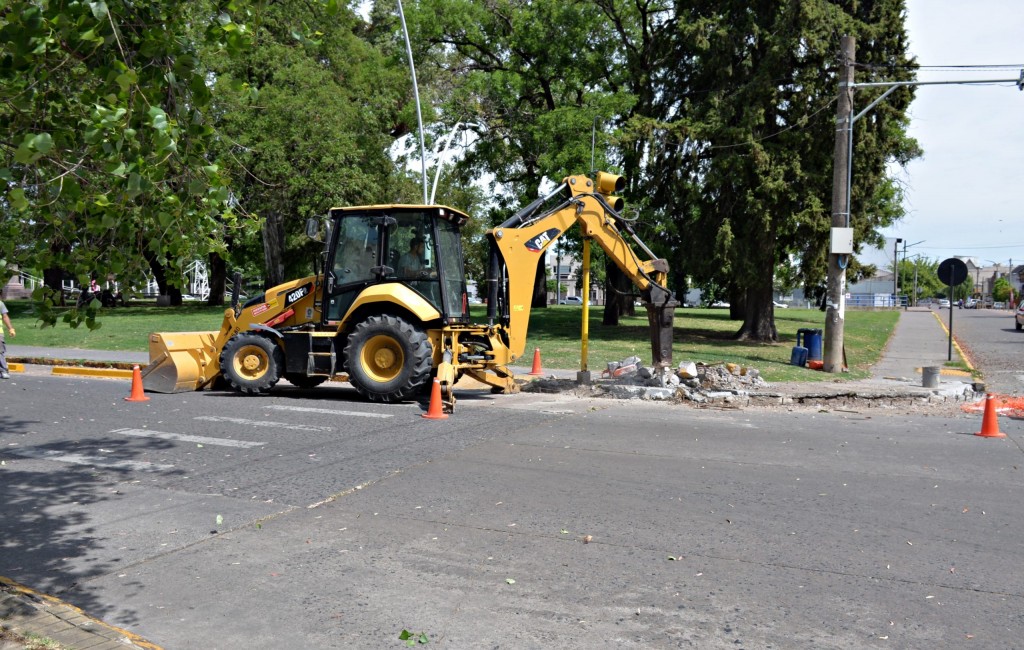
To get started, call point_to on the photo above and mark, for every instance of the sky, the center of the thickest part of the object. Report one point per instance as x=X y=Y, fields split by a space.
x=965 y=197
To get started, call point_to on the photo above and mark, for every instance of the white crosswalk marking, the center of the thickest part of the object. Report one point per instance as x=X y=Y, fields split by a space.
x=202 y=440
x=263 y=423
x=89 y=461
x=307 y=409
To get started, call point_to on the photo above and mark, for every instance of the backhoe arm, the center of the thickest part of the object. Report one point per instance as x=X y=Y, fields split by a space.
x=528 y=234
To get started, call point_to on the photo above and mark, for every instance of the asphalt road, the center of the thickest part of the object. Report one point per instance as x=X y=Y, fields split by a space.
x=994 y=344
x=312 y=519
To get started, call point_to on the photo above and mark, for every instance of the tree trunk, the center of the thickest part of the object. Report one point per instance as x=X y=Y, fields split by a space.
x=54 y=280
x=160 y=275
x=759 y=324
x=737 y=303
x=618 y=300
x=273 y=250
x=218 y=277
x=540 y=286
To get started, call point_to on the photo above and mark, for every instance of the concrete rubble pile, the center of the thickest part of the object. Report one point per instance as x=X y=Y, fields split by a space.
x=695 y=382
x=698 y=383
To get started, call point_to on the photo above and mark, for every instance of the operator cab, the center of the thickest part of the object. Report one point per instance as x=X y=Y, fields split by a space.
x=417 y=246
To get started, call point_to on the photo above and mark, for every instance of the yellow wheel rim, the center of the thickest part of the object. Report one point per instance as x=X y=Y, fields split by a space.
x=382 y=358
x=251 y=362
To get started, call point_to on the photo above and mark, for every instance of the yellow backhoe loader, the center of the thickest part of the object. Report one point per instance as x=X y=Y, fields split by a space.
x=389 y=307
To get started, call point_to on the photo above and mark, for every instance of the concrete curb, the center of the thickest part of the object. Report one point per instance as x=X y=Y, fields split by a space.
x=26 y=611
x=110 y=373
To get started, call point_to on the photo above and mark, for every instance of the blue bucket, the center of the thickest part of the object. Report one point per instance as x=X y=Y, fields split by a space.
x=811 y=339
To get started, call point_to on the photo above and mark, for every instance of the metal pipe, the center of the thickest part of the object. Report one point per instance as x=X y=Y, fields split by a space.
x=515 y=219
x=492 y=277
x=416 y=95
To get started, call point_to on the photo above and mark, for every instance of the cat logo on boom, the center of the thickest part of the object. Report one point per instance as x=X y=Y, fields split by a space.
x=538 y=243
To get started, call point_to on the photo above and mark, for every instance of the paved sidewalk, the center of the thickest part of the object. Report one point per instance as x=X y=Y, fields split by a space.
x=919 y=340
x=26 y=611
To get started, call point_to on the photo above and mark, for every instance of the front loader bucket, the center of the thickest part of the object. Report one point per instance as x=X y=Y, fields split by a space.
x=180 y=361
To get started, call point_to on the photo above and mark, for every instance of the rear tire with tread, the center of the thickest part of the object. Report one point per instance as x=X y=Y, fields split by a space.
x=388 y=359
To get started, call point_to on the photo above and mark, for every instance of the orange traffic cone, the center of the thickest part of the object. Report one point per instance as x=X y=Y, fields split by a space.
x=990 y=421
x=435 y=411
x=536 y=371
x=137 y=391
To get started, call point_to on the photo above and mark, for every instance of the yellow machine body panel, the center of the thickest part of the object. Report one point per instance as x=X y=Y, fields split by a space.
x=521 y=246
x=394 y=294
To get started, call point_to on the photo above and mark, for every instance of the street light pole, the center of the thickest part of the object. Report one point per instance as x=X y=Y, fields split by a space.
x=895 y=270
x=905 y=247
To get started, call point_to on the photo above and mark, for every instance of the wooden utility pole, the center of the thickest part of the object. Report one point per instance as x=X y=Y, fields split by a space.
x=835 y=313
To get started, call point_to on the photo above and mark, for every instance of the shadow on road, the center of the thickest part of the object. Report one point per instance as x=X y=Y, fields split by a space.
x=48 y=537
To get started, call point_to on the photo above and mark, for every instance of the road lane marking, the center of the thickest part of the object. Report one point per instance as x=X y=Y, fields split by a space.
x=306 y=409
x=262 y=423
x=202 y=440
x=89 y=461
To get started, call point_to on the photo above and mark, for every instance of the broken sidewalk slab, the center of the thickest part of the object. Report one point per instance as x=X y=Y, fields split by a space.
x=625 y=391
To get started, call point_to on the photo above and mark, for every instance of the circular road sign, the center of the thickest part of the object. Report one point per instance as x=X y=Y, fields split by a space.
x=952 y=271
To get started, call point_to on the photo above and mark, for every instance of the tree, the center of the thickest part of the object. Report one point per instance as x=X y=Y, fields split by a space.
x=751 y=160
x=519 y=75
x=104 y=153
x=307 y=120
x=1001 y=290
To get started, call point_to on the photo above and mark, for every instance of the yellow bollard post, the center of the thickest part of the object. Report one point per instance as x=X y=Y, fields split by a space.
x=586 y=304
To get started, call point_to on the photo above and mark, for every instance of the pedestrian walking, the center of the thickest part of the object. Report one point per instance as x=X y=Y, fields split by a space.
x=4 y=373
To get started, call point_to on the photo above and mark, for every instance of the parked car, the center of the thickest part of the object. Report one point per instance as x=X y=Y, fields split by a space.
x=970 y=303
x=1019 y=317
x=571 y=300
x=720 y=304
x=944 y=303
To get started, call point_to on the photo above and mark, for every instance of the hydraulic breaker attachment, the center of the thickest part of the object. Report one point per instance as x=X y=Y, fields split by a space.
x=181 y=361
x=661 y=306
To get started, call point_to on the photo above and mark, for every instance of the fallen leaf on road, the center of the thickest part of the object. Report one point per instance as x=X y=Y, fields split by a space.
x=587 y=538
x=510 y=581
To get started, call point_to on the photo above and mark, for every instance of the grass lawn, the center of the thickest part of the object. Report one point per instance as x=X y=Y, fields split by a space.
x=703 y=335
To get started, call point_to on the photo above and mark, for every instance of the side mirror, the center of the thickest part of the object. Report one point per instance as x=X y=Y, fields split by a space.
x=313 y=228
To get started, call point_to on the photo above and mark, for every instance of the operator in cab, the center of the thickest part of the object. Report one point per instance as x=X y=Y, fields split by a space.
x=410 y=263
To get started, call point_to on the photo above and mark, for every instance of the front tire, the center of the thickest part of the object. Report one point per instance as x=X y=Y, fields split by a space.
x=251 y=363
x=388 y=359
